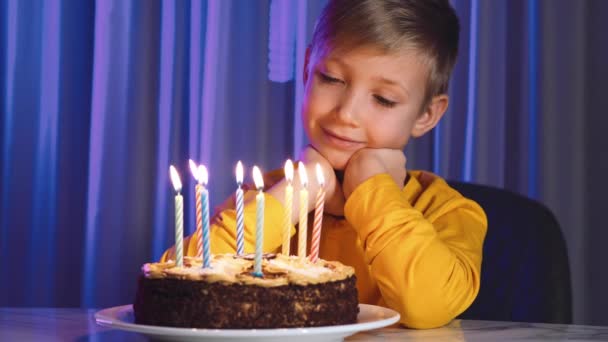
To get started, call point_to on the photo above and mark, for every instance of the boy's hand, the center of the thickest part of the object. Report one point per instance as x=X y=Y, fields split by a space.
x=368 y=162
x=334 y=197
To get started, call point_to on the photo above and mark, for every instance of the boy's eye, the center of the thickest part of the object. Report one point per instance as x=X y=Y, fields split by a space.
x=328 y=79
x=384 y=102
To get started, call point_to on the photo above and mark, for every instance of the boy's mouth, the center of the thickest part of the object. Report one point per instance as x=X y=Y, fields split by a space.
x=339 y=140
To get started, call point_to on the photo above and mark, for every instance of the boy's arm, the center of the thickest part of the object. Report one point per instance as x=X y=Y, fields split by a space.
x=426 y=268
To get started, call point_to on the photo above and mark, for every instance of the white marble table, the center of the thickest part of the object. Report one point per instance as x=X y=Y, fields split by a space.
x=57 y=324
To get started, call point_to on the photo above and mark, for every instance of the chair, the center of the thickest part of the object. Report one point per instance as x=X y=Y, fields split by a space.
x=525 y=276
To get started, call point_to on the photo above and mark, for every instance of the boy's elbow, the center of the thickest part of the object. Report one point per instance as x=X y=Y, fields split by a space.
x=424 y=316
x=428 y=308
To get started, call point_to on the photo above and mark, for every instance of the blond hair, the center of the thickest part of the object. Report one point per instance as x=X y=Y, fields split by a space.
x=429 y=26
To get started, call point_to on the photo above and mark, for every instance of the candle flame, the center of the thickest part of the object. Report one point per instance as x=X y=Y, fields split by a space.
x=239 y=173
x=257 y=178
x=320 y=177
x=177 y=183
x=203 y=175
x=303 y=175
x=289 y=170
x=194 y=170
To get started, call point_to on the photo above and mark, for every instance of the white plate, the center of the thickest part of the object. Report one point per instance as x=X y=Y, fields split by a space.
x=370 y=317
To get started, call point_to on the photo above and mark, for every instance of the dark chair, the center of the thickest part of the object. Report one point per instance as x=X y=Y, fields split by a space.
x=525 y=276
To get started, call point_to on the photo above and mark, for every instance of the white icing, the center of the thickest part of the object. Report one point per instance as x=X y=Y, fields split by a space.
x=280 y=270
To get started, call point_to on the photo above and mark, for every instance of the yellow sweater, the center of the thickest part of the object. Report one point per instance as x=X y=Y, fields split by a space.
x=415 y=249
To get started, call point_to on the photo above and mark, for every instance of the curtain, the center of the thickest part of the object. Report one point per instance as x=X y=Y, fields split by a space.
x=99 y=98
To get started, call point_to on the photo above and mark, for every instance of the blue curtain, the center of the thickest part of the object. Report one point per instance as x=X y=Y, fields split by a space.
x=99 y=98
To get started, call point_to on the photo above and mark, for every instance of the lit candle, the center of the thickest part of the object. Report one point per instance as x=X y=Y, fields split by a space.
x=259 y=223
x=179 y=218
x=199 y=208
x=239 y=210
x=302 y=230
x=204 y=175
x=288 y=206
x=319 y=203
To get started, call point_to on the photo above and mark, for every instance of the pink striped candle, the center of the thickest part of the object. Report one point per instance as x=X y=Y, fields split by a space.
x=318 y=222
x=240 y=236
x=198 y=189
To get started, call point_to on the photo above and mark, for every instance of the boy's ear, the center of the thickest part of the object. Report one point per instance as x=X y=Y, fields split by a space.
x=306 y=60
x=431 y=115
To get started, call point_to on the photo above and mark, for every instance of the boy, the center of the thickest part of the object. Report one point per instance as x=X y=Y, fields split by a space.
x=376 y=74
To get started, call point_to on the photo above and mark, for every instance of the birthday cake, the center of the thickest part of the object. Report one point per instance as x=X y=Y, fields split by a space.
x=293 y=292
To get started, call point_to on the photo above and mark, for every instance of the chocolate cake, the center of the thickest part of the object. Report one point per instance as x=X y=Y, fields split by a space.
x=293 y=292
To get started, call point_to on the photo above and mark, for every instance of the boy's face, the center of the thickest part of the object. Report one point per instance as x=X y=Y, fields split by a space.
x=362 y=98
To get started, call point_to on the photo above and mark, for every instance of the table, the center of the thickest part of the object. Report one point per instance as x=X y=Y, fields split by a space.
x=63 y=324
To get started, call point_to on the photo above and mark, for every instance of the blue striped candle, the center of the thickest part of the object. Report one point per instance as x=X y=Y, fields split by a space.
x=259 y=222
x=205 y=199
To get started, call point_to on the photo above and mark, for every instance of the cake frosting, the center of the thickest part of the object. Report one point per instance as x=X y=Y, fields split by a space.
x=277 y=270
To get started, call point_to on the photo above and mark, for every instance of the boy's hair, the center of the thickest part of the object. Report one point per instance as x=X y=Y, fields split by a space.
x=429 y=26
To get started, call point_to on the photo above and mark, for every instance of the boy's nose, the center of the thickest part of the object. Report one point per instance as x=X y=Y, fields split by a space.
x=346 y=113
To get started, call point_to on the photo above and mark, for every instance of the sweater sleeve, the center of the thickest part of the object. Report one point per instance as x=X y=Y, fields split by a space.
x=427 y=266
x=223 y=228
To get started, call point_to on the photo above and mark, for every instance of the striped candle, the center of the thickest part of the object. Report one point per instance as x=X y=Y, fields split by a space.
x=179 y=218
x=199 y=208
x=199 y=221
x=259 y=223
x=205 y=204
x=240 y=238
x=179 y=230
x=288 y=206
x=303 y=225
x=319 y=203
